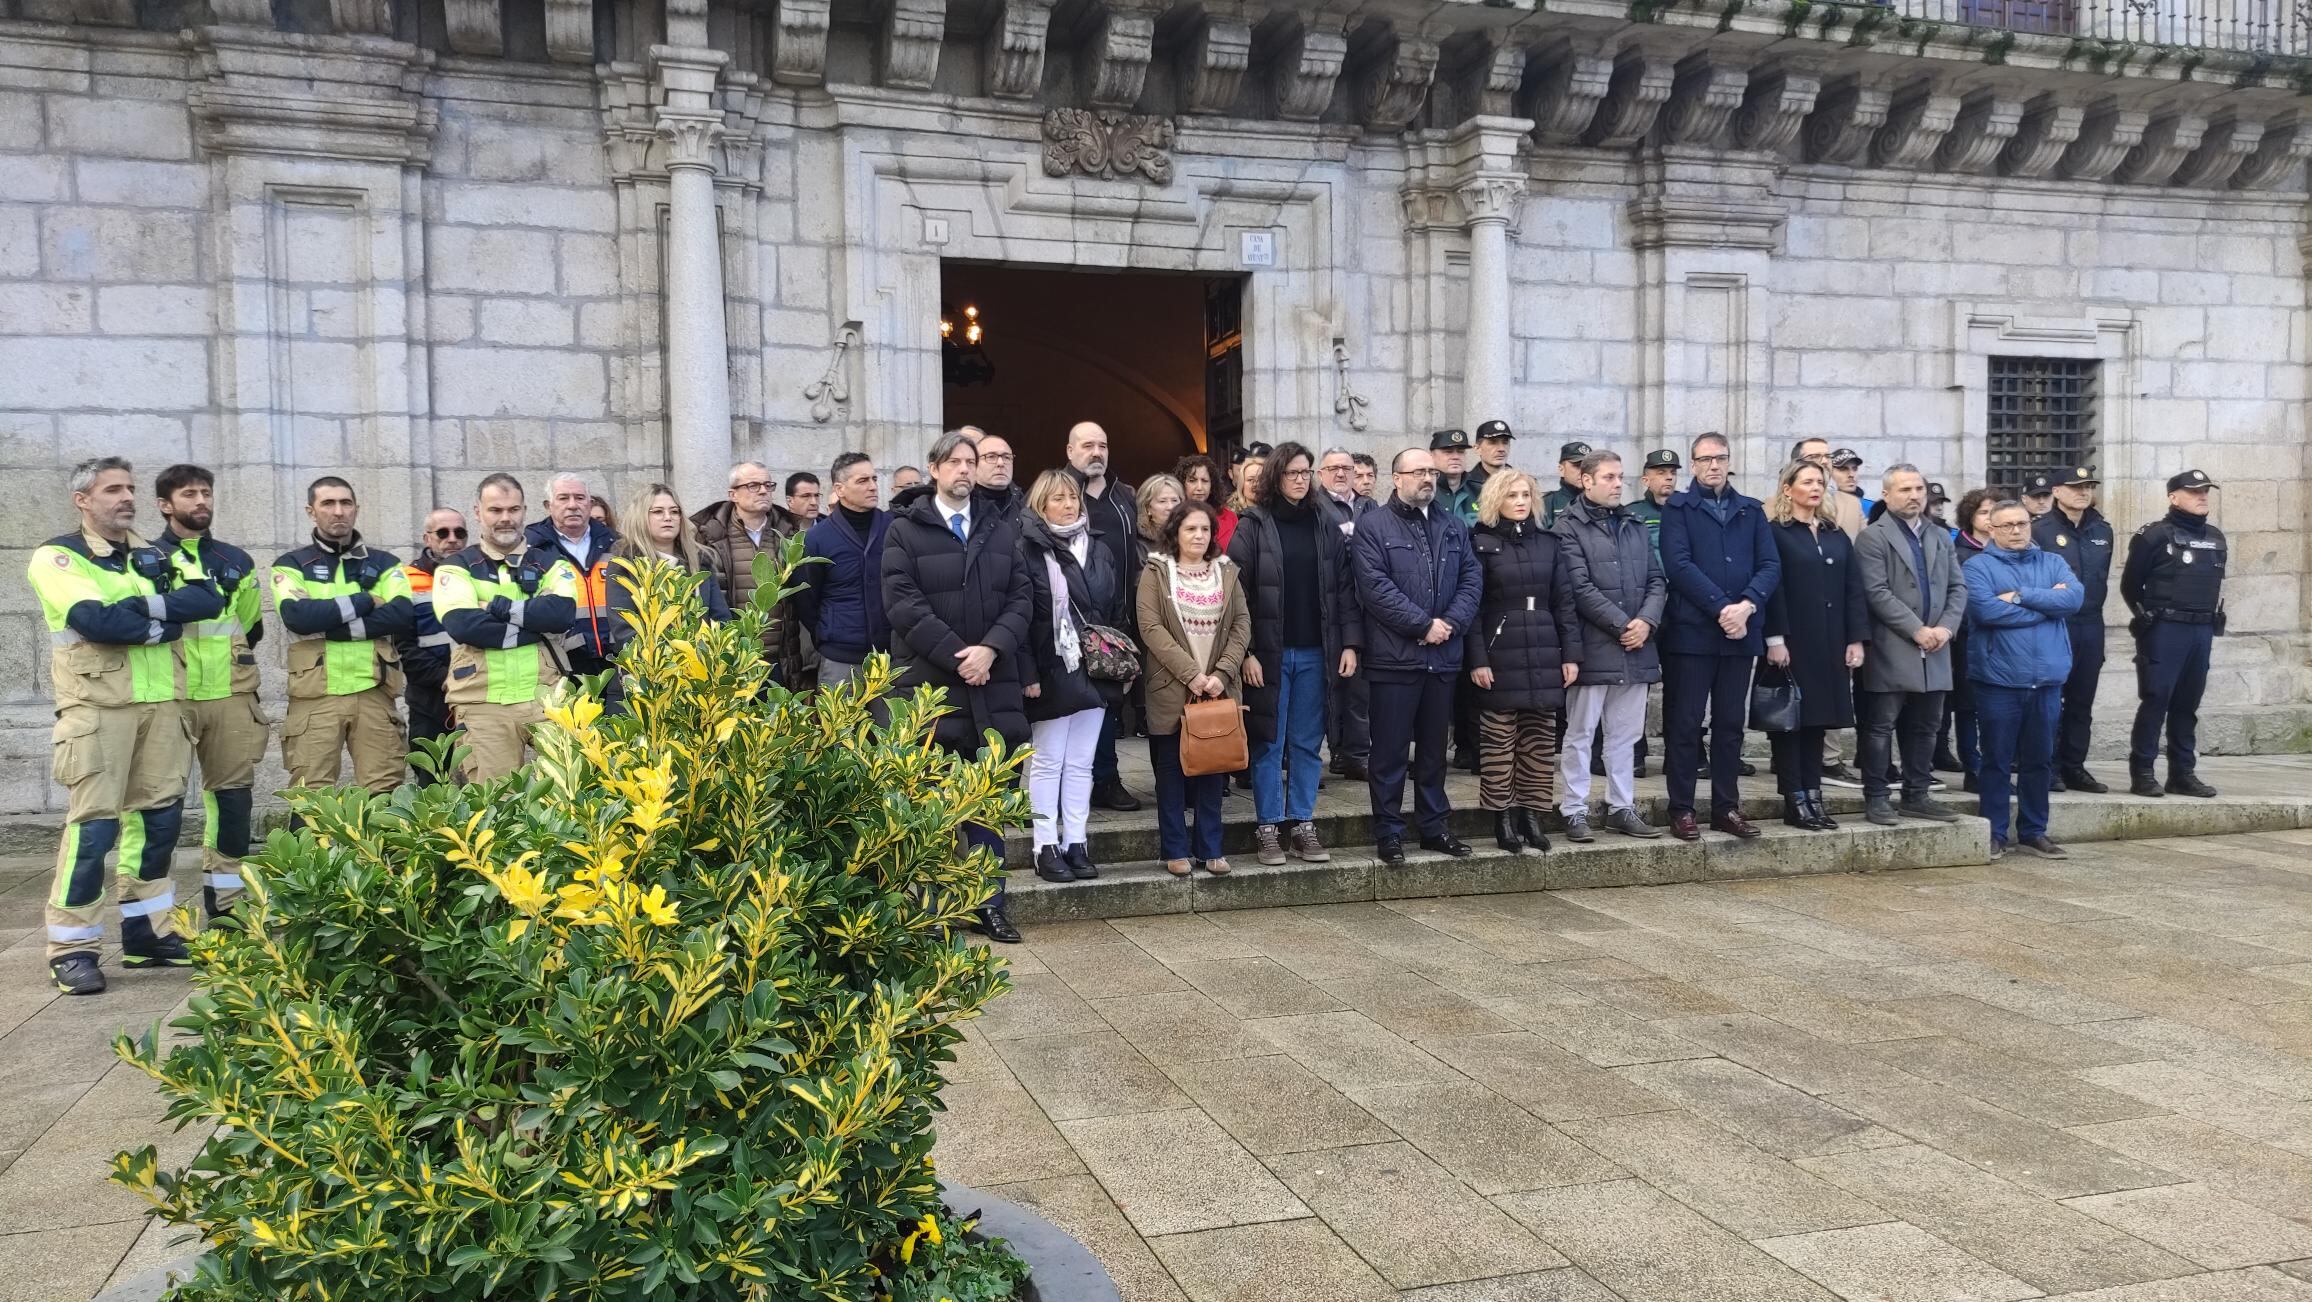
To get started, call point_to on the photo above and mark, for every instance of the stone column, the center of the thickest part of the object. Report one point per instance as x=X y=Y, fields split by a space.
x=1490 y=187
x=698 y=389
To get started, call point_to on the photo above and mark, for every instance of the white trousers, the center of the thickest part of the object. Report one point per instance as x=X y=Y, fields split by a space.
x=1623 y=711
x=1060 y=776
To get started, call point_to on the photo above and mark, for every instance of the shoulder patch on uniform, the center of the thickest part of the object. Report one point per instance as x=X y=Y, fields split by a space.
x=61 y=559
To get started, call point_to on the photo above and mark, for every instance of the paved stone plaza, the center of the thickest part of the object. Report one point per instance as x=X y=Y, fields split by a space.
x=2088 y=1079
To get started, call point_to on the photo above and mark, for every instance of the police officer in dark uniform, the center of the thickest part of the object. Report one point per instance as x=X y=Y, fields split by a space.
x=1556 y=500
x=2174 y=585
x=2039 y=494
x=2079 y=534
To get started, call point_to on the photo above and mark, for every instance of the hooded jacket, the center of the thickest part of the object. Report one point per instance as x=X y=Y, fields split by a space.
x=945 y=594
x=1413 y=567
x=2022 y=643
x=1526 y=605
x=1612 y=577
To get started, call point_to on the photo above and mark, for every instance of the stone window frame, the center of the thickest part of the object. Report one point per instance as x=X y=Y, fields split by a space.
x=2110 y=334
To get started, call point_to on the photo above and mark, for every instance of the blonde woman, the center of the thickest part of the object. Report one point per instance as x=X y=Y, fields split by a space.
x=1158 y=495
x=1248 y=477
x=1817 y=623
x=661 y=531
x=1073 y=584
x=1515 y=657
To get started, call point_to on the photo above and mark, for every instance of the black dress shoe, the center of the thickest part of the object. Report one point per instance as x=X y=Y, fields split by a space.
x=1447 y=844
x=1391 y=851
x=1078 y=858
x=2188 y=784
x=2055 y=785
x=1749 y=770
x=1465 y=760
x=1051 y=867
x=2079 y=779
x=1795 y=811
x=1506 y=832
x=1972 y=785
x=2144 y=784
x=1946 y=762
x=1112 y=795
x=1355 y=771
x=992 y=922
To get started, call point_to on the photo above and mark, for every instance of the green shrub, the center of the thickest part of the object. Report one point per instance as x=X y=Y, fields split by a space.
x=662 y=1016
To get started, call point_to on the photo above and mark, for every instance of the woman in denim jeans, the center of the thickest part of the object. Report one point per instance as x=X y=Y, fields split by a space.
x=1194 y=626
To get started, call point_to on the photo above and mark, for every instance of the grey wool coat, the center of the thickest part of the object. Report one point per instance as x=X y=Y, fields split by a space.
x=1890 y=583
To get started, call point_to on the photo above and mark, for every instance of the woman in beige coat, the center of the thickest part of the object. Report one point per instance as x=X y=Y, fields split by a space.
x=1195 y=625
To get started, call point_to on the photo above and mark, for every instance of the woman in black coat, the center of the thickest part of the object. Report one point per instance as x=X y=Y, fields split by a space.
x=1816 y=626
x=1969 y=540
x=1515 y=657
x=1072 y=586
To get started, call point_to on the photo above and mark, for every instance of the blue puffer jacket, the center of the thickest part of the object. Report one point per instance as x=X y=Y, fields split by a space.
x=842 y=599
x=2024 y=642
x=1410 y=570
x=1710 y=566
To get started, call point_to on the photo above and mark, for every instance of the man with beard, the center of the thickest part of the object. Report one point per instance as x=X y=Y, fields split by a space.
x=1419 y=584
x=1115 y=516
x=112 y=604
x=220 y=698
x=343 y=603
x=505 y=605
x=425 y=649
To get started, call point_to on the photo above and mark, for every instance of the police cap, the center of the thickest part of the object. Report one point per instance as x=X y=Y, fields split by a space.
x=1845 y=457
x=1573 y=451
x=1449 y=440
x=1661 y=459
x=2189 y=479
x=1494 y=429
x=2079 y=477
x=2038 y=485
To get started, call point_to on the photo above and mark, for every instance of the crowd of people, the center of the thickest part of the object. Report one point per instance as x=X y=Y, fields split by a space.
x=1467 y=617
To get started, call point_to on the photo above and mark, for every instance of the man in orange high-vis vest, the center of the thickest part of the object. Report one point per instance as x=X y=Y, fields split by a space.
x=425 y=649
x=586 y=543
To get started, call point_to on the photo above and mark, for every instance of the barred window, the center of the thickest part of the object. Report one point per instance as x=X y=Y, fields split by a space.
x=2042 y=416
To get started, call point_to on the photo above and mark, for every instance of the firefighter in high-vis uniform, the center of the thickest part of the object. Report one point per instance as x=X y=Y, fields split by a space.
x=113 y=606
x=506 y=606
x=343 y=602
x=220 y=699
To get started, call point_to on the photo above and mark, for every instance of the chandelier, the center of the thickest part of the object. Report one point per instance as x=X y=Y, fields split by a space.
x=962 y=347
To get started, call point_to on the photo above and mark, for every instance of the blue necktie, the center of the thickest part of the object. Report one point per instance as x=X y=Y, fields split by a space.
x=955 y=523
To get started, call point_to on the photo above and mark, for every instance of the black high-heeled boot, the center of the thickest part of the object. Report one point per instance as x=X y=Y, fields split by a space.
x=1529 y=819
x=1079 y=858
x=1796 y=810
x=1823 y=822
x=1051 y=867
x=1506 y=832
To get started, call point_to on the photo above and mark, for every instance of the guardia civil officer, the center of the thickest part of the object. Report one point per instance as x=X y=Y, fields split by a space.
x=228 y=729
x=506 y=605
x=2079 y=534
x=344 y=603
x=113 y=603
x=2173 y=584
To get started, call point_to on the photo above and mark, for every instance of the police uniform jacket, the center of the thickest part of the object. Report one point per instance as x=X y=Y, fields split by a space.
x=2087 y=548
x=2175 y=570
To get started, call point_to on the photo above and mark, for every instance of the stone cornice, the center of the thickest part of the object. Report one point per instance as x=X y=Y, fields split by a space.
x=1306 y=54
x=2046 y=133
x=265 y=93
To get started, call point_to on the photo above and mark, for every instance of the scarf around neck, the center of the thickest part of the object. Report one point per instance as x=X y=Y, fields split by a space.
x=1065 y=643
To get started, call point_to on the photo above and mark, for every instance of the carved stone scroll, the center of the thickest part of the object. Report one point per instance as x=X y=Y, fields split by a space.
x=2169 y=140
x=2106 y=135
x=1308 y=62
x=1015 y=49
x=909 y=50
x=1395 y=69
x=1987 y=120
x=2221 y=151
x=1572 y=82
x=1775 y=106
x=1213 y=62
x=1915 y=126
x=1113 y=65
x=374 y=18
x=1707 y=89
x=799 y=42
x=474 y=27
x=2280 y=156
x=1846 y=117
x=1641 y=82
x=2047 y=131
x=1107 y=145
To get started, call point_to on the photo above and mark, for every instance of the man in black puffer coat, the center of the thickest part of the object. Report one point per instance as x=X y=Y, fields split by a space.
x=1618 y=592
x=958 y=601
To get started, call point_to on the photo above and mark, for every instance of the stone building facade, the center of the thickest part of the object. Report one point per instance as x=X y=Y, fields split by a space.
x=415 y=241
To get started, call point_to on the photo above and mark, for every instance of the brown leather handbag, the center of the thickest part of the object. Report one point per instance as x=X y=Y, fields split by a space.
x=1212 y=737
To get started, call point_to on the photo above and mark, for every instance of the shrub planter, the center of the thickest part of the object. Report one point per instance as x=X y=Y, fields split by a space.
x=1060 y=1269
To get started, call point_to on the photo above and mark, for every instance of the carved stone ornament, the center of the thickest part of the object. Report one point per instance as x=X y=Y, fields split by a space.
x=1987 y=121
x=2279 y=157
x=909 y=51
x=686 y=27
x=361 y=105
x=367 y=17
x=1213 y=62
x=1107 y=145
x=1307 y=63
x=1481 y=78
x=2106 y=135
x=1573 y=81
x=1708 y=87
x=1015 y=49
x=2048 y=128
x=1394 y=81
x=1846 y=117
x=1641 y=82
x=1490 y=198
x=473 y=27
x=2169 y=139
x=799 y=42
x=690 y=138
x=1775 y=106
x=831 y=392
x=570 y=31
x=2220 y=154
x=1114 y=63
x=1350 y=405
x=1915 y=127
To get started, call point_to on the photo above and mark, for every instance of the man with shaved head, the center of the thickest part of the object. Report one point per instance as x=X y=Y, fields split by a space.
x=1115 y=516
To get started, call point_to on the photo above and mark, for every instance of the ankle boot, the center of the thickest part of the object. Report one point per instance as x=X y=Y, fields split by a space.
x=1823 y=822
x=1078 y=858
x=1506 y=832
x=1051 y=867
x=1530 y=821
x=1797 y=809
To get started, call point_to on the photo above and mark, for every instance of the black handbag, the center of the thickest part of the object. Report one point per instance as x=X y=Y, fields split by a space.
x=1774 y=704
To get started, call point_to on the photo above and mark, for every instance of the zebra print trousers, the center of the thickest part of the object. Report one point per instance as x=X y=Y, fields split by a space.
x=1516 y=758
